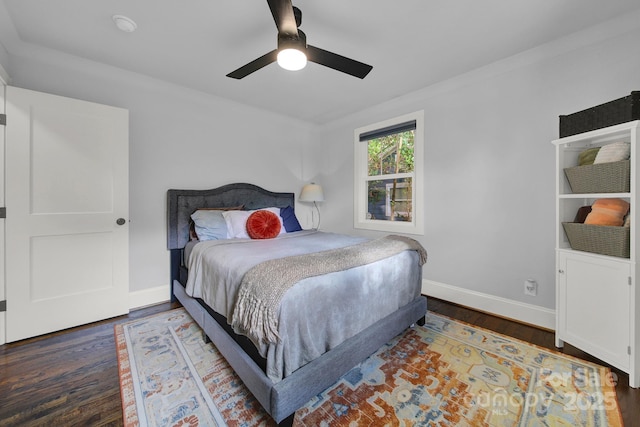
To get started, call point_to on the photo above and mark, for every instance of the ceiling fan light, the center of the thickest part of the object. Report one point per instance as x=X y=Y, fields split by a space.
x=292 y=59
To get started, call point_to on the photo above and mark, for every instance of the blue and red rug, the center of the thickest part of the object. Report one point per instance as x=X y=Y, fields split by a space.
x=446 y=373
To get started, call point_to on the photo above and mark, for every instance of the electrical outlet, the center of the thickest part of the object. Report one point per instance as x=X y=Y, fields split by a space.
x=531 y=287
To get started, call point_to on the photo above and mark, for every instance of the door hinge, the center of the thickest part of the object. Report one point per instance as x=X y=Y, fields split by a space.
x=3 y=212
x=3 y=306
x=3 y=119
x=629 y=280
x=629 y=350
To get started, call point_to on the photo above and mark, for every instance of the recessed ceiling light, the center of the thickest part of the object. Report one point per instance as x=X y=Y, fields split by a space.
x=124 y=23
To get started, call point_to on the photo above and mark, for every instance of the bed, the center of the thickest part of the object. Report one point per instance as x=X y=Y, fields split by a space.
x=287 y=387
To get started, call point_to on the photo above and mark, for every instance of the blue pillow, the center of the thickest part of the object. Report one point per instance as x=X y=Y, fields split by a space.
x=289 y=219
x=209 y=224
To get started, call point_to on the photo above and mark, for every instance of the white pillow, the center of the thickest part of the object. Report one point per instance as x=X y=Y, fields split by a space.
x=277 y=212
x=237 y=222
x=613 y=152
x=210 y=224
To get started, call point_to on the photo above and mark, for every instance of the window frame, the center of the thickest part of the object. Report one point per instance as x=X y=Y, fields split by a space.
x=361 y=177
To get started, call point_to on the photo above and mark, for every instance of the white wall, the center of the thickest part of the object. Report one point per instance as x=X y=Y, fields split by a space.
x=489 y=163
x=178 y=139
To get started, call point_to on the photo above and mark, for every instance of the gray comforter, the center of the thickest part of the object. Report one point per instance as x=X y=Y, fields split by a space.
x=317 y=313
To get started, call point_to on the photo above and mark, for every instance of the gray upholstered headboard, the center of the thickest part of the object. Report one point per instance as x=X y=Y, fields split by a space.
x=182 y=203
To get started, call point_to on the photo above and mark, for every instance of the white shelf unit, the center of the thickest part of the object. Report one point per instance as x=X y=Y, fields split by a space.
x=597 y=299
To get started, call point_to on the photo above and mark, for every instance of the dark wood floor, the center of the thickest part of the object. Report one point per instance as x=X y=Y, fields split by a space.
x=70 y=378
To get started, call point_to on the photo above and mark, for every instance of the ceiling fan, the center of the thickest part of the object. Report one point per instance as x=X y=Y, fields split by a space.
x=293 y=51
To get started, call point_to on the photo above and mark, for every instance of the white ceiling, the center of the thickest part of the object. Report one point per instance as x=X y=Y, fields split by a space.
x=194 y=43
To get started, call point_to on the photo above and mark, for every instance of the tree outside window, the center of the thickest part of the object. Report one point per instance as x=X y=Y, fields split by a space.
x=388 y=164
x=390 y=157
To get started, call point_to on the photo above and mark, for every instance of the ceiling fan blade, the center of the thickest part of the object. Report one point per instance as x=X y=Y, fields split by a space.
x=282 y=11
x=338 y=62
x=254 y=65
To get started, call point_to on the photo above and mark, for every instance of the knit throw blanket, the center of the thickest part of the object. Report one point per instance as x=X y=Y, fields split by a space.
x=263 y=286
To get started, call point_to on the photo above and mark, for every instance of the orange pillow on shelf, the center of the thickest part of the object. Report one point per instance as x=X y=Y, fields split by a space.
x=608 y=212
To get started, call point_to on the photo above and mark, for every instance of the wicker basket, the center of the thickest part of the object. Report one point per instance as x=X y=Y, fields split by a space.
x=599 y=239
x=610 y=177
x=611 y=113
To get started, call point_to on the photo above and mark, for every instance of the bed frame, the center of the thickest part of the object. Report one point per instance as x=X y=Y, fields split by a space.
x=283 y=398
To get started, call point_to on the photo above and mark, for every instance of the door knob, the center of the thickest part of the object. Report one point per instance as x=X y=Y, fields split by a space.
x=120 y=221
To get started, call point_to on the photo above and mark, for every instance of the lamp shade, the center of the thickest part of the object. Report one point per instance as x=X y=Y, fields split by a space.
x=311 y=193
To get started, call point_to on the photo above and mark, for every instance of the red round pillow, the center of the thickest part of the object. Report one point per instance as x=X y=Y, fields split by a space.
x=263 y=225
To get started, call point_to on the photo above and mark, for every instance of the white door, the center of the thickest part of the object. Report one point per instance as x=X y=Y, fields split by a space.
x=593 y=305
x=67 y=209
x=2 y=241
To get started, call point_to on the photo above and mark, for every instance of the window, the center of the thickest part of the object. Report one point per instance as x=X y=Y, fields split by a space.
x=388 y=175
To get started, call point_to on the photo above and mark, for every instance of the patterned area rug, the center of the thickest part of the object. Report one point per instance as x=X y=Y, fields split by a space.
x=446 y=373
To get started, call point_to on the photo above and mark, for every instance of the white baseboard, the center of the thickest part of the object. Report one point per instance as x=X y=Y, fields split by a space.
x=2 y=328
x=503 y=307
x=149 y=296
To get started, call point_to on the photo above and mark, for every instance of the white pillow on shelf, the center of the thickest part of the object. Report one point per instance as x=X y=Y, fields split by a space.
x=613 y=152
